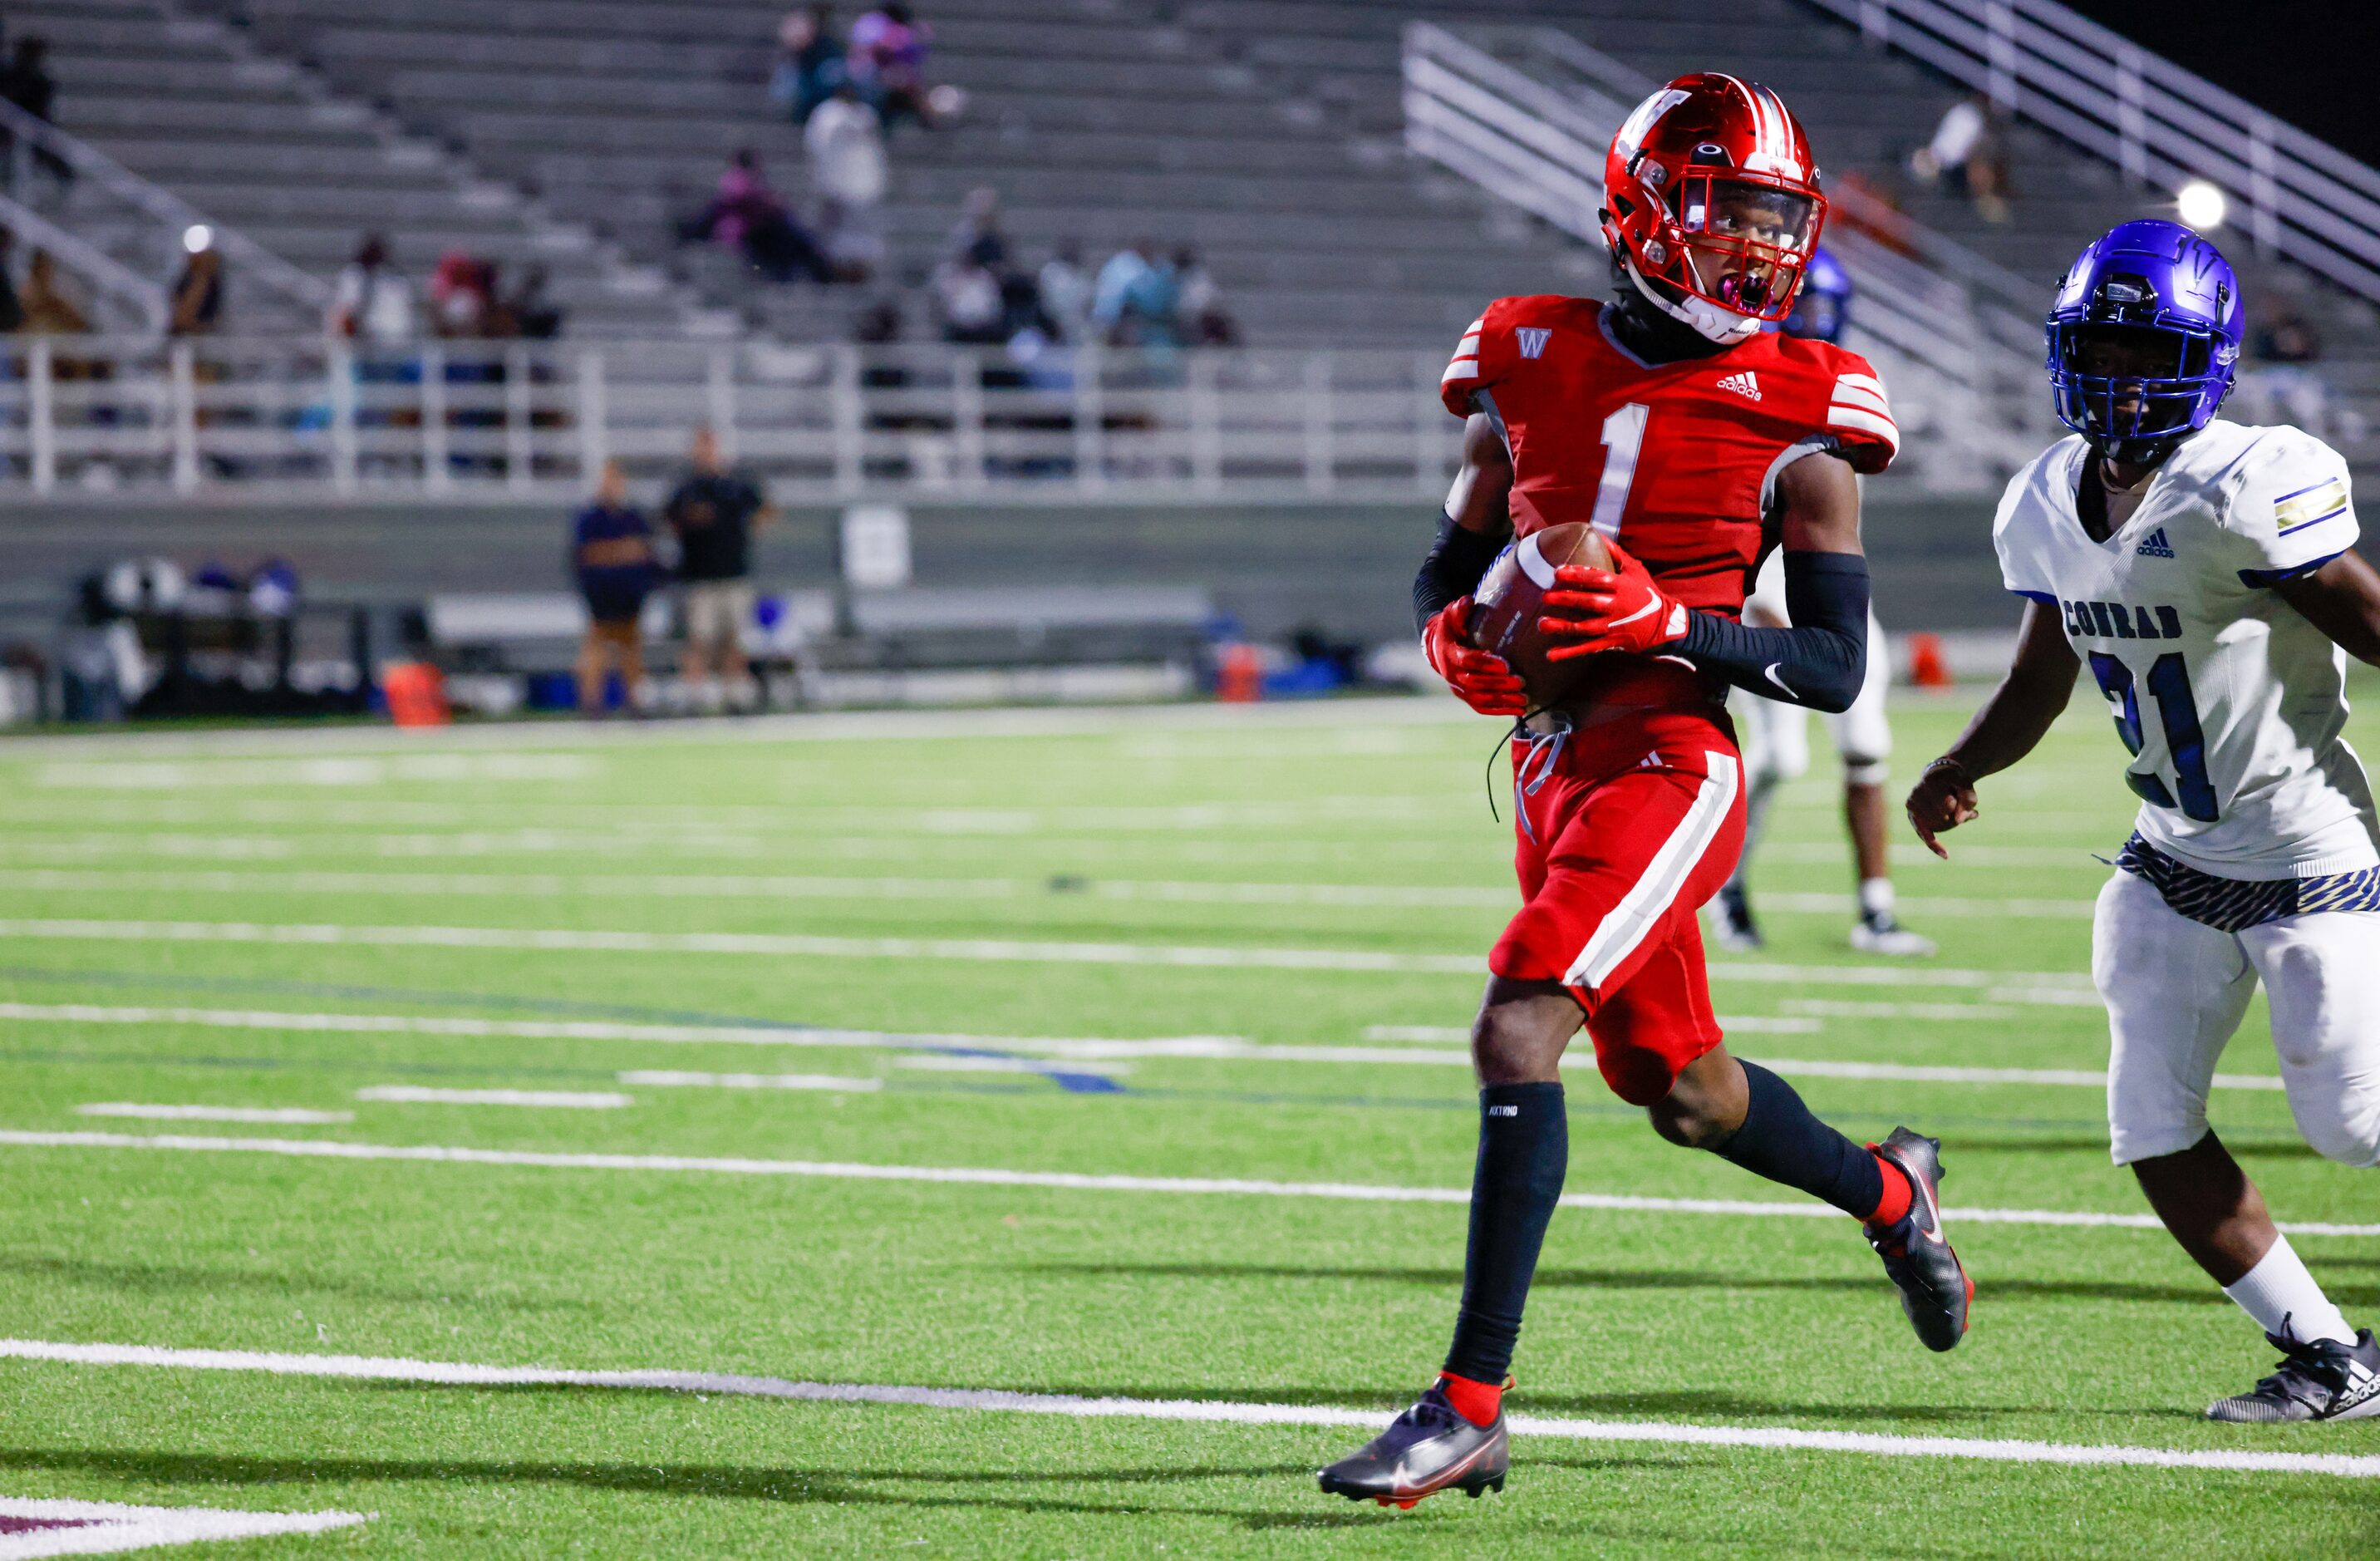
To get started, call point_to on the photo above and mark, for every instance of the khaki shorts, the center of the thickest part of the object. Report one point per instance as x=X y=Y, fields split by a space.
x=716 y=611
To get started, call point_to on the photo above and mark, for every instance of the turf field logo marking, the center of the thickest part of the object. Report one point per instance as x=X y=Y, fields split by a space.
x=1210 y=1411
x=31 y=1528
x=1075 y=1181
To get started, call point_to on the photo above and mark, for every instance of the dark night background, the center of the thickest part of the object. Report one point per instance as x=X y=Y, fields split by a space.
x=2308 y=62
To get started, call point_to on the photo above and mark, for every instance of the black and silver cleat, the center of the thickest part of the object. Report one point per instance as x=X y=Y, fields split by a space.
x=1428 y=1448
x=1935 y=1290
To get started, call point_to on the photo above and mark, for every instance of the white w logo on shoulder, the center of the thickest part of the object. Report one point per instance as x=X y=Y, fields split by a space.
x=1533 y=339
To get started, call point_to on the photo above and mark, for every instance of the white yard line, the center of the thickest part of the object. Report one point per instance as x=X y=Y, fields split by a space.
x=560 y=1100
x=1207 y=1412
x=1460 y=1034
x=104 y=1528
x=332 y=1148
x=959 y=1061
x=2060 y=988
x=671 y=1079
x=287 y=1115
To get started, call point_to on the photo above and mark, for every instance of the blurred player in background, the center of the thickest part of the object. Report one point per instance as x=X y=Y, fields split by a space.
x=1776 y=734
x=1695 y=441
x=2206 y=575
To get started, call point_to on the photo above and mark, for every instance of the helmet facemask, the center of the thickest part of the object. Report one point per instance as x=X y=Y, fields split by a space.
x=1741 y=249
x=2134 y=391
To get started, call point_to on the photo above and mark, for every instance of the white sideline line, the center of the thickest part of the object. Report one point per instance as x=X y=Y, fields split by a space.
x=677 y=1078
x=2058 y=987
x=1934 y=904
x=1460 y=1034
x=1209 y=1411
x=333 y=1149
x=607 y=1029
x=104 y=1527
x=287 y=1115
x=565 y=1100
x=716 y=886
x=957 y=1061
x=1217 y=1048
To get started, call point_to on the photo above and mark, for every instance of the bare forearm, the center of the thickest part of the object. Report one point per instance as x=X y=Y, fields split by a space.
x=2014 y=720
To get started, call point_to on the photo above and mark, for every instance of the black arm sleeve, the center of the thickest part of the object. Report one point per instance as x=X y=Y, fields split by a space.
x=1821 y=661
x=1455 y=565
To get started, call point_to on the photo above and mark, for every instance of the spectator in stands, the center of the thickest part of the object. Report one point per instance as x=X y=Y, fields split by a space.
x=27 y=82
x=846 y=141
x=611 y=554
x=977 y=235
x=714 y=513
x=48 y=311
x=1138 y=300
x=888 y=60
x=371 y=300
x=747 y=216
x=2284 y=385
x=462 y=295
x=533 y=313
x=809 y=62
x=12 y=308
x=1065 y=291
x=197 y=299
x=1199 y=303
x=1970 y=152
x=969 y=301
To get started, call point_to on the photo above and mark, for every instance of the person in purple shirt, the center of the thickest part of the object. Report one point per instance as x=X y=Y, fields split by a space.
x=611 y=552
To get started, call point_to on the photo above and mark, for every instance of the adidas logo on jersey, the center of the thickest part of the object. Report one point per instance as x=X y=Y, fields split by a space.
x=1745 y=383
x=1533 y=339
x=2154 y=546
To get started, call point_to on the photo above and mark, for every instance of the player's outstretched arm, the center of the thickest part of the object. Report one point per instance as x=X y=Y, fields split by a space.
x=1472 y=531
x=2342 y=599
x=2011 y=725
x=1819 y=662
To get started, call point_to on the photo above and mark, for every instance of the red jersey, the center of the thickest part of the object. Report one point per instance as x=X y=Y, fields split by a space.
x=1676 y=462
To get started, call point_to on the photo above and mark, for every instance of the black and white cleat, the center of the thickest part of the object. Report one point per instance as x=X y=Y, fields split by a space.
x=2321 y=1381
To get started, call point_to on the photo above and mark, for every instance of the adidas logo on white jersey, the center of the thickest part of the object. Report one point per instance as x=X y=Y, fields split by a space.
x=1744 y=383
x=1533 y=339
x=2154 y=546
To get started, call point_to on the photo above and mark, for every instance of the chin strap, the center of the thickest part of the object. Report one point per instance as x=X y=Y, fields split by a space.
x=1699 y=315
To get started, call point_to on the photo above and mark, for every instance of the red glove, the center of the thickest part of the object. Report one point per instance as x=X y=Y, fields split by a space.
x=1485 y=681
x=1591 y=611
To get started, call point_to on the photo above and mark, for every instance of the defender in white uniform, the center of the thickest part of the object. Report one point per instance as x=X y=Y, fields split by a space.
x=2201 y=575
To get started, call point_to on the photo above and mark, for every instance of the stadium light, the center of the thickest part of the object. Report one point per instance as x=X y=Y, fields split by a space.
x=2202 y=205
x=198 y=237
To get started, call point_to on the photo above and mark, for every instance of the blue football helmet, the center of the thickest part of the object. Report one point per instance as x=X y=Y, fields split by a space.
x=1823 y=307
x=2144 y=339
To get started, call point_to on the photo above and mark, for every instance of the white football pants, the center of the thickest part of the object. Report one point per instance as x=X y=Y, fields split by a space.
x=1775 y=736
x=2176 y=989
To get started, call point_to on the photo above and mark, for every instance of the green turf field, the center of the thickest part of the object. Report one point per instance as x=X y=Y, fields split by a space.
x=783 y=973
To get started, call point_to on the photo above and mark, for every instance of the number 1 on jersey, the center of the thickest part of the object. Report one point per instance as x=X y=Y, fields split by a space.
x=1623 y=436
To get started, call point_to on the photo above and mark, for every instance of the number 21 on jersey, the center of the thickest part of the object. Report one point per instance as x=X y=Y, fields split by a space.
x=1623 y=437
x=2169 y=685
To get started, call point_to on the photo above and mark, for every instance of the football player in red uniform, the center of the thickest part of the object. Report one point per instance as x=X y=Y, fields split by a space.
x=1695 y=441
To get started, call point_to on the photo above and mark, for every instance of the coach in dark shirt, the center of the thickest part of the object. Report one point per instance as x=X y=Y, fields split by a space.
x=612 y=553
x=714 y=513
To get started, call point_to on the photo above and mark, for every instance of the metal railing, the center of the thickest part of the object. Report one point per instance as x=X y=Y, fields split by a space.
x=319 y=417
x=2306 y=200
x=1527 y=113
x=127 y=299
x=139 y=225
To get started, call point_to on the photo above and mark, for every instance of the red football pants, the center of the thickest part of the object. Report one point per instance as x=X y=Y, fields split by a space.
x=1625 y=831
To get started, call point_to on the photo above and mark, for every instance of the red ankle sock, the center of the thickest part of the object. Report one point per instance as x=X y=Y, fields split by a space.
x=1477 y=1402
x=1897 y=1192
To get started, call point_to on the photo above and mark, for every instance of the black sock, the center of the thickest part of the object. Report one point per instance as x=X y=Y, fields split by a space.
x=1523 y=1150
x=1782 y=1140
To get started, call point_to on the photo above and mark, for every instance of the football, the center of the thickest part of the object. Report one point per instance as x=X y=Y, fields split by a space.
x=1511 y=596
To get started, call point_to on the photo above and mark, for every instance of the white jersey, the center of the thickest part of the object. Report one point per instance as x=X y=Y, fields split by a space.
x=2231 y=702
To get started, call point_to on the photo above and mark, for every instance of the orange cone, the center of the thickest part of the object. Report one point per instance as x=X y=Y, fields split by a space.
x=1240 y=678
x=416 y=693
x=1927 y=667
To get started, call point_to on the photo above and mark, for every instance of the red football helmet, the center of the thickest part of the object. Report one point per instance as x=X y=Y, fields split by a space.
x=1711 y=203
